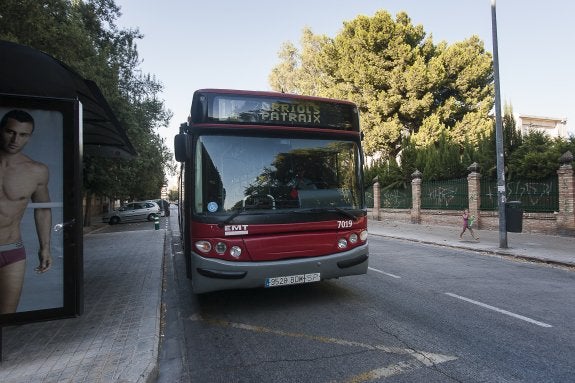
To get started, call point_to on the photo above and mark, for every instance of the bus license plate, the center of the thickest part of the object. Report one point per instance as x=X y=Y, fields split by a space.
x=292 y=280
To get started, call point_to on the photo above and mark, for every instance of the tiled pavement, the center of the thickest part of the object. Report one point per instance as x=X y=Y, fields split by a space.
x=117 y=337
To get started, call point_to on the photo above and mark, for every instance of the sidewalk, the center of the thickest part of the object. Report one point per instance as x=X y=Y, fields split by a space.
x=549 y=249
x=117 y=339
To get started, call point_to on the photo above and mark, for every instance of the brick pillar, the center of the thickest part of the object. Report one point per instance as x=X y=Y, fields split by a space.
x=474 y=192
x=416 y=197
x=376 y=200
x=566 y=216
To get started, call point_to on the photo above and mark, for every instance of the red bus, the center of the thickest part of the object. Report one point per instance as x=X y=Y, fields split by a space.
x=271 y=190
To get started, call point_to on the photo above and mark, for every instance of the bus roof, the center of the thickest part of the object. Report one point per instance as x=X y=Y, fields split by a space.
x=270 y=93
x=237 y=107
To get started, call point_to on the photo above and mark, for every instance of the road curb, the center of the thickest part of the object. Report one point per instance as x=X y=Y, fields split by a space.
x=502 y=253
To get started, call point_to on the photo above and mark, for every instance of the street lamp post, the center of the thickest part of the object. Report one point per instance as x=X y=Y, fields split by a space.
x=501 y=195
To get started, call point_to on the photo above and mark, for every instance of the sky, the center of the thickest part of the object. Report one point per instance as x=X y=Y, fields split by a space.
x=234 y=44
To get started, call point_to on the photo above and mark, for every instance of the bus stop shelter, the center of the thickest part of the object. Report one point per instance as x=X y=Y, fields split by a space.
x=35 y=81
x=29 y=72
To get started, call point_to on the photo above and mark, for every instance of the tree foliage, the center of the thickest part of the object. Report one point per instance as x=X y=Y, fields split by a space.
x=404 y=84
x=534 y=156
x=423 y=106
x=173 y=195
x=538 y=156
x=83 y=34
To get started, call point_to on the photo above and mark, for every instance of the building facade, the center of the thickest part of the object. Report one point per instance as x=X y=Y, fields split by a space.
x=553 y=127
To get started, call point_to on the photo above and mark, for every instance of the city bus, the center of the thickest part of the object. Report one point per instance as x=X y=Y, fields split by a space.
x=270 y=190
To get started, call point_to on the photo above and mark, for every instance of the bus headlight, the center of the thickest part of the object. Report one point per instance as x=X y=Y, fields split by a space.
x=235 y=251
x=363 y=235
x=203 y=246
x=342 y=243
x=353 y=238
x=221 y=248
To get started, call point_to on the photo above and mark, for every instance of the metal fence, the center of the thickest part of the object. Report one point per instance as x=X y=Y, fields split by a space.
x=391 y=198
x=368 y=194
x=445 y=195
x=396 y=198
x=540 y=196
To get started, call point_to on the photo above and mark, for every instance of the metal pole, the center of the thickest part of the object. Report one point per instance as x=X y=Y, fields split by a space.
x=501 y=195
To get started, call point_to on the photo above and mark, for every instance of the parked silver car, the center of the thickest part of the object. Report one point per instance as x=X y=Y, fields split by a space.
x=133 y=211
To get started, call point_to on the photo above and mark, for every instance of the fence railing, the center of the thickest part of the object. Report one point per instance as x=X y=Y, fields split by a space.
x=391 y=198
x=540 y=196
x=446 y=195
x=396 y=198
x=368 y=194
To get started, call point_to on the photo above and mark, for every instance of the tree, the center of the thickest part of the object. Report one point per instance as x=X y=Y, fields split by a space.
x=83 y=34
x=536 y=158
x=173 y=195
x=511 y=136
x=440 y=161
x=400 y=80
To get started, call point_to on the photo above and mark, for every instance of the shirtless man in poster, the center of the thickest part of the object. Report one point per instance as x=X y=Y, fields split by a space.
x=21 y=180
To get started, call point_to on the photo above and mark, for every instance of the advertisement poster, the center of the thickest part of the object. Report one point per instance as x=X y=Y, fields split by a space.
x=40 y=217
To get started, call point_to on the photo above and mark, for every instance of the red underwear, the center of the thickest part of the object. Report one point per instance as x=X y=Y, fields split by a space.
x=12 y=256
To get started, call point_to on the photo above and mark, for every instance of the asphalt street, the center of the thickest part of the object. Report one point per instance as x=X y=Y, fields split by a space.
x=431 y=308
x=424 y=313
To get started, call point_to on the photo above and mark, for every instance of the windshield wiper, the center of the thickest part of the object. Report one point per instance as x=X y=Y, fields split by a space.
x=231 y=218
x=235 y=214
x=346 y=213
x=333 y=209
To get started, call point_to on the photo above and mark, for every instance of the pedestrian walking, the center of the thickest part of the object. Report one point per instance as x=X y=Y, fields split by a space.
x=467 y=223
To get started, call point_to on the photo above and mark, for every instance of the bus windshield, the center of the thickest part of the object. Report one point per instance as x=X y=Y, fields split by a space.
x=274 y=175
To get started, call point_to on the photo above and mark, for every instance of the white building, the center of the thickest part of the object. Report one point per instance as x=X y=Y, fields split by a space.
x=553 y=127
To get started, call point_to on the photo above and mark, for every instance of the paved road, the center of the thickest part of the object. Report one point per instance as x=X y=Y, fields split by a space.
x=504 y=320
x=423 y=313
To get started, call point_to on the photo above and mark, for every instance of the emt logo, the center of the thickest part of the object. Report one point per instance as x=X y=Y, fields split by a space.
x=236 y=229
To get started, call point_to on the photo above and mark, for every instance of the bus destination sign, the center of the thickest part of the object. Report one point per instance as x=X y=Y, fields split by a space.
x=292 y=113
x=283 y=112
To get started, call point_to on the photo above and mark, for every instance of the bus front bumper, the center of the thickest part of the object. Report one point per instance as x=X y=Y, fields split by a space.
x=209 y=274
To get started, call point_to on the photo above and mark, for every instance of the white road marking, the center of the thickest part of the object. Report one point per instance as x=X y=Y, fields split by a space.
x=421 y=358
x=524 y=318
x=383 y=272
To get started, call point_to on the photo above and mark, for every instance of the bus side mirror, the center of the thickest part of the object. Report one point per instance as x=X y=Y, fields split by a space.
x=180 y=147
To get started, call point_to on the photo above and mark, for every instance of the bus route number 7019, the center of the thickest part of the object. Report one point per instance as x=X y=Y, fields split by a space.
x=344 y=224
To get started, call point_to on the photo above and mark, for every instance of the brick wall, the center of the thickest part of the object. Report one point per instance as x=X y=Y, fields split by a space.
x=561 y=222
x=544 y=223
